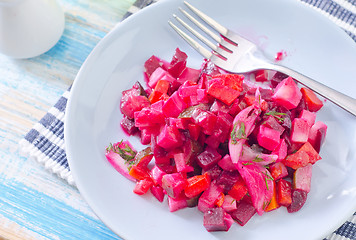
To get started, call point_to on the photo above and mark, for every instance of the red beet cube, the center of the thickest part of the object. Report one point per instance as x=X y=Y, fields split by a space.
x=299 y=198
x=243 y=213
x=208 y=158
x=216 y=219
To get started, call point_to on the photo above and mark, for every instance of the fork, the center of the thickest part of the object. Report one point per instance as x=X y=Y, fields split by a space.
x=236 y=54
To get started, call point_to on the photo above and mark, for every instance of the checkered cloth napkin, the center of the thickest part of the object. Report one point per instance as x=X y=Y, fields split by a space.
x=45 y=141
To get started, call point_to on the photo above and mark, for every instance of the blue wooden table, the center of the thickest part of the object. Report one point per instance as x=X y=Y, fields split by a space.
x=34 y=203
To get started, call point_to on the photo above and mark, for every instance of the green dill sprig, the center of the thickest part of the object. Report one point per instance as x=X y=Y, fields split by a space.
x=277 y=115
x=126 y=152
x=258 y=159
x=267 y=177
x=238 y=132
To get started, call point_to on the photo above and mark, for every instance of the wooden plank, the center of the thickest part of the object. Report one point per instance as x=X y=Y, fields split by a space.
x=35 y=204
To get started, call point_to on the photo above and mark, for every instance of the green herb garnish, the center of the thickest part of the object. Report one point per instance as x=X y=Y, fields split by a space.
x=277 y=115
x=238 y=132
x=126 y=152
x=268 y=177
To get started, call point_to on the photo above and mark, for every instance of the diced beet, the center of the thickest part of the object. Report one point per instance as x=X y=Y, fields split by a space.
x=180 y=123
x=152 y=64
x=157 y=191
x=268 y=138
x=261 y=75
x=194 y=130
x=216 y=219
x=274 y=124
x=181 y=163
x=229 y=204
x=243 y=213
x=190 y=74
x=308 y=116
x=159 y=74
x=178 y=63
x=178 y=203
x=302 y=178
x=278 y=170
x=209 y=197
x=219 y=106
x=227 y=179
x=173 y=184
x=202 y=96
x=128 y=125
x=208 y=158
x=213 y=172
x=148 y=132
x=299 y=131
x=169 y=138
x=148 y=117
x=187 y=92
x=299 y=198
x=162 y=161
x=156 y=175
x=204 y=119
x=174 y=105
x=317 y=135
x=226 y=163
x=281 y=150
x=212 y=141
x=287 y=93
x=131 y=102
x=277 y=78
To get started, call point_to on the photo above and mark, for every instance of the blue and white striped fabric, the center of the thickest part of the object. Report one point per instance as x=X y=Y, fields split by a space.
x=45 y=141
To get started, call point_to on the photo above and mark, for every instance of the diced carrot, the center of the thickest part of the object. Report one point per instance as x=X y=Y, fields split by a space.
x=196 y=185
x=284 y=192
x=278 y=170
x=238 y=190
x=273 y=204
x=139 y=173
x=225 y=94
x=312 y=153
x=142 y=186
x=312 y=101
x=161 y=88
x=219 y=202
x=296 y=160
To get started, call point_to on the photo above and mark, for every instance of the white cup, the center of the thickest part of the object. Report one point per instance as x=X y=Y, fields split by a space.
x=29 y=28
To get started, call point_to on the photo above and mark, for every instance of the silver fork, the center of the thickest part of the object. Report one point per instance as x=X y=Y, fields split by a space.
x=236 y=54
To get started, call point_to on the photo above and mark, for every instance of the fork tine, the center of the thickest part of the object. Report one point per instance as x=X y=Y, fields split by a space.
x=201 y=26
x=199 y=48
x=218 y=27
x=195 y=33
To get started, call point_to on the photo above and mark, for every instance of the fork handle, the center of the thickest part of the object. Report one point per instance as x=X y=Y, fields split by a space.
x=340 y=99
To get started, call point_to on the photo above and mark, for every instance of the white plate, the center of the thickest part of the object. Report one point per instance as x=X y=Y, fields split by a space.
x=314 y=46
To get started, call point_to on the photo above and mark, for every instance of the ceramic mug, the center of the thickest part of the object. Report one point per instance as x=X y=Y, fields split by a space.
x=29 y=28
